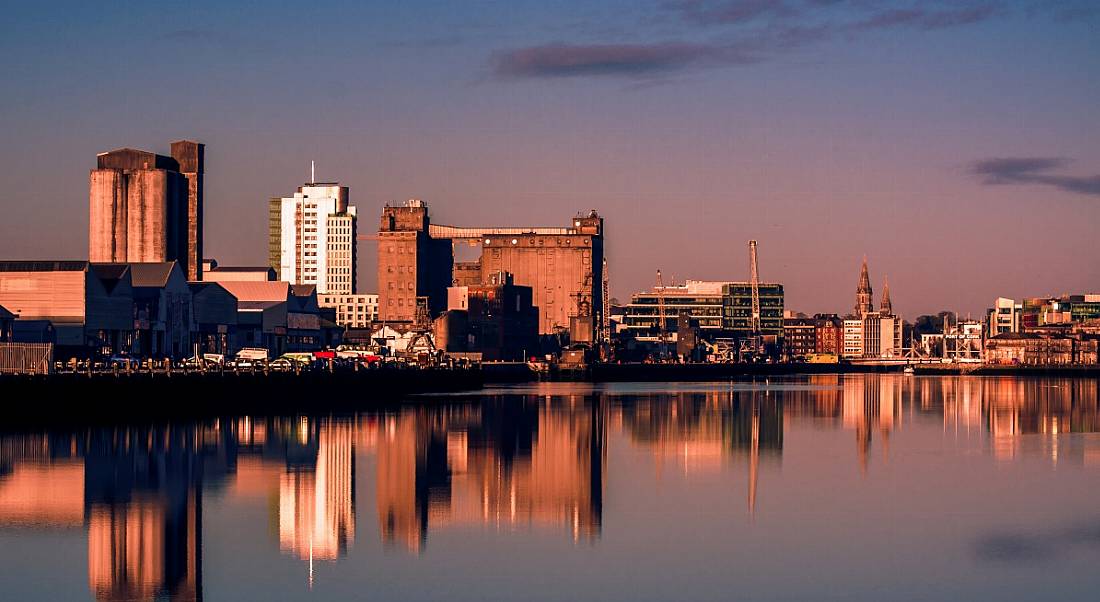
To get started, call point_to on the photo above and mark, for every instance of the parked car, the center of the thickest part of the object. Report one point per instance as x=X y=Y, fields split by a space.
x=243 y=364
x=282 y=364
x=123 y=362
x=199 y=363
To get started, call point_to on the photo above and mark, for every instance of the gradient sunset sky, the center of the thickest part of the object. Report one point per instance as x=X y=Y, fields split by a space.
x=955 y=143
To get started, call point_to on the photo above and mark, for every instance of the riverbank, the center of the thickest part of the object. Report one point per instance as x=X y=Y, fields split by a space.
x=994 y=370
x=639 y=372
x=80 y=398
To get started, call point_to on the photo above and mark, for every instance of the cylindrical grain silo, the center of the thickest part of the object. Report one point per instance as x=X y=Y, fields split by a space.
x=107 y=223
x=148 y=216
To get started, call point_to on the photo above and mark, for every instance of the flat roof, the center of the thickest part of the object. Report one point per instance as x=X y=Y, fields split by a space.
x=43 y=266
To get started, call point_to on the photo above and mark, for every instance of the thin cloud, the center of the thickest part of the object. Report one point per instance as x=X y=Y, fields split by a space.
x=632 y=60
x=760 y=30
x=842 y=16
x=926 y=19
x=730 y=12
x=1033 y=171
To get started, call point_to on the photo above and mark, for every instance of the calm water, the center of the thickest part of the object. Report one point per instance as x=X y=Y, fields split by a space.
x=852 y=487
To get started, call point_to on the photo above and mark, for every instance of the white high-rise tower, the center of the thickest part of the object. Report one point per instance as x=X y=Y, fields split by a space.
x=312 y=238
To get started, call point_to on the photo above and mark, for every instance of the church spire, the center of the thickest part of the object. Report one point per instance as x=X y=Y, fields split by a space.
x=887 y=308
x=864 y=296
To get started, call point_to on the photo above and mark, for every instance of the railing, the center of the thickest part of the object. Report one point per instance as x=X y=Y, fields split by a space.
x=26 y=358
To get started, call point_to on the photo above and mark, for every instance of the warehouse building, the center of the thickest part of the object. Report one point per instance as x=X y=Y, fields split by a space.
x=90 y=306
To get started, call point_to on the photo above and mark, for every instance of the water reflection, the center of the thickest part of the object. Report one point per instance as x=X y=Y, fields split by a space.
x=531 y=459
x=700 y=432
x=505 y=463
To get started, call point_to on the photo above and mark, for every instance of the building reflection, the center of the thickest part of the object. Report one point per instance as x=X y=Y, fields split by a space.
x=1049 y=408
x=138 y=493
x=317 y=500
x=505 y=463
x=700 y=432
x=143 y=511
x=872 y=407
x=510 y=463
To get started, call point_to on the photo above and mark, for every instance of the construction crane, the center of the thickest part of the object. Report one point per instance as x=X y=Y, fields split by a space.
x=662 y=335
x=754 y=280
x=751 y=345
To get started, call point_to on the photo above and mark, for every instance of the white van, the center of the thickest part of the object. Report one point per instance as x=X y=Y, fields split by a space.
x=256 y=354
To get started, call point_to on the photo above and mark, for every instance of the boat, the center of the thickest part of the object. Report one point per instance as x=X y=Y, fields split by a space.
x=908 y=371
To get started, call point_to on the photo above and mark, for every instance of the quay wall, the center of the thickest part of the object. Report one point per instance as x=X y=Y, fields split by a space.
x=81 y=398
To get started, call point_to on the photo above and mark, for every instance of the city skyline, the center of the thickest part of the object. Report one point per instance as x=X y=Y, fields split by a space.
x=959 y=156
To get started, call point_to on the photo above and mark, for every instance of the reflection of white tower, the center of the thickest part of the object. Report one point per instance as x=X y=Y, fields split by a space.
x=317 y=509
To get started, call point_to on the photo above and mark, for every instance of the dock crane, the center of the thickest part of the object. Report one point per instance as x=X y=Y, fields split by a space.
x=754 y=279
x=662 y=331
x=752 y=344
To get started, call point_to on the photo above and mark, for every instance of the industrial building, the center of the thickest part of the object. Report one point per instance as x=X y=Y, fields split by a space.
x=89 y=306
x=496 y=319
x=145 y=207
x=215 y=318
x=162 y=308
x=312 y=238
x=7 y=320
x=413 y=267
x=212 y=272
x=962 y=341
x=277 y=316
x=564 y=267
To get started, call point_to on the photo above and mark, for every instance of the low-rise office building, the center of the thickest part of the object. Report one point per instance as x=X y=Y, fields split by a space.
x=852 y=345
x=716 y=308
x=351 y=311
x=1004 y=317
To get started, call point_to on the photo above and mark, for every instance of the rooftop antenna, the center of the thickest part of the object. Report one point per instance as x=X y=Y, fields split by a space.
x=312 y=172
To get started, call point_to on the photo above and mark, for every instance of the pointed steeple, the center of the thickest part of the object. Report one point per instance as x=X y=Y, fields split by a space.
x=864 y=296
x=886 y=308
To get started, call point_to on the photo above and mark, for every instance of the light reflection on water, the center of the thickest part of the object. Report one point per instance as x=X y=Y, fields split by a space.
x=859 y=486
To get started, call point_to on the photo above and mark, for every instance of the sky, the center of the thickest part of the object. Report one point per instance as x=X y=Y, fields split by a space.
x=956 y=143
